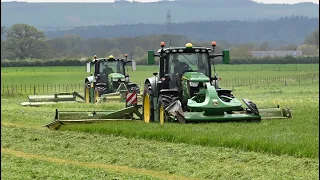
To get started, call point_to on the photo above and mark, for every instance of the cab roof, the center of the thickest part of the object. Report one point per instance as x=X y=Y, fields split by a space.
x=186 y=50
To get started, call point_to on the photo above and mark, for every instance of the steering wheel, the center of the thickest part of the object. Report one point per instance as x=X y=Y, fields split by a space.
x=187 y=68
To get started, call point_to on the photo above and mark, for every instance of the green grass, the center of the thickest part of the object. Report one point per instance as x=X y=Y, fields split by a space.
x=69 y=75
x=271 y=149
x=165 y=158
x=21 y=168
x=272 y=136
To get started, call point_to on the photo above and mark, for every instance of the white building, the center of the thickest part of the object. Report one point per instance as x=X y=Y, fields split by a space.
x=275 y=53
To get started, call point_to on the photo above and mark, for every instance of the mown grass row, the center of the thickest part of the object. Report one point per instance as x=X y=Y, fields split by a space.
x=31 y=168
x=167 y=159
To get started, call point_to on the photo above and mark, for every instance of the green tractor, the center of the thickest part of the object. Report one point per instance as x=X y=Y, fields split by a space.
x=184 y=90
x=109 y=77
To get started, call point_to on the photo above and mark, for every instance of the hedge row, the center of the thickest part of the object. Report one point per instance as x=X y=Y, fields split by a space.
x=267 y=60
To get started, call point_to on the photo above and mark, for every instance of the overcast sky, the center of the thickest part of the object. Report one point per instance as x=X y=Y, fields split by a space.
x=263 y=1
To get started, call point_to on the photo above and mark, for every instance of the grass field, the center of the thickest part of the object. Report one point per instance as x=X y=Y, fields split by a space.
x=68 y=75
x=271 y=149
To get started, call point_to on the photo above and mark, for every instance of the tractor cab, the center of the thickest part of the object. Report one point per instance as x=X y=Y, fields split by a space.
x=109 y=74
x=187 y=69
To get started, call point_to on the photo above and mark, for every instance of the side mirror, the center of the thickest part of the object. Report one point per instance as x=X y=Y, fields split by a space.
x=150 y=57
x=225 y=57
x=134 y=65
x=88 y=67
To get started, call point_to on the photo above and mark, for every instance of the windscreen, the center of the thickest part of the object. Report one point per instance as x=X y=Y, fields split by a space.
x=108 y=67
x=197 y=62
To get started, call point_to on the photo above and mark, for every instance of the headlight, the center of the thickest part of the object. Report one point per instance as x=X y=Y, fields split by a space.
x=123 y=79
x=194 y=84
x=127 y=79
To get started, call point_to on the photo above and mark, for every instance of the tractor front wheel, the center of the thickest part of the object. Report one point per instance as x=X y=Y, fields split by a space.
x=147 y=106
x=163 y=102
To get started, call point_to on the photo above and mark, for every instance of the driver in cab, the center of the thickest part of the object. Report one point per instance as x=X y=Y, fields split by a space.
x=107 y=70
x=178 y=70
x=179 y=67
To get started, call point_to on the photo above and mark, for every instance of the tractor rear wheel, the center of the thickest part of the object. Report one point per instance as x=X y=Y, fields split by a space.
x=163 y=102
x=147 y=104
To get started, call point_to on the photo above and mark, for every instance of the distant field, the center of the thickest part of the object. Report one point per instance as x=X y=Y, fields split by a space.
x=68 y=75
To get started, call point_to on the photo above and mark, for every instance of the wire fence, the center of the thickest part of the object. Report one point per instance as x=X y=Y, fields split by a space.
x=311 y=78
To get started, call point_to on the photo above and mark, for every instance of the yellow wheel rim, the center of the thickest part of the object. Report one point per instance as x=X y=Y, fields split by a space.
x=96 y=96
x=161 y=114
x=146 y=108
x=87 y=95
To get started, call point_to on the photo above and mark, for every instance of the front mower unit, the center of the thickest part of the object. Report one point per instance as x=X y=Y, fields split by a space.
x=214 y=109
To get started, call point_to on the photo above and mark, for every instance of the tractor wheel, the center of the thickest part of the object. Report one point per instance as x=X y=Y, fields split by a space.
x=101 y=88
x=135 y=89
x=96 y=96
x=147 y=104
x=163 y=102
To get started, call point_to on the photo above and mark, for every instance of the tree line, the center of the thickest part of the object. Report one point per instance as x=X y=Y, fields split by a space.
x=278 y=32
x=22 y=41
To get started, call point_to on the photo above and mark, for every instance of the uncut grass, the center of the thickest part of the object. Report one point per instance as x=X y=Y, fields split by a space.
x=297 y=136
x=174 y=158
x=74 y=74
x=21 y=168
x=273 y=136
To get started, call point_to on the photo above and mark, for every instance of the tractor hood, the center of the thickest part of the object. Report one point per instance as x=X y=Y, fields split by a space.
x=116 y=76
x=195 y=77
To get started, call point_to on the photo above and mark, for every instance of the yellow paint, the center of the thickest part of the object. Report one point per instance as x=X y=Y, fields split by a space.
x=161 y=114
x=87 y=95
x=146 y=108
x=96 y=96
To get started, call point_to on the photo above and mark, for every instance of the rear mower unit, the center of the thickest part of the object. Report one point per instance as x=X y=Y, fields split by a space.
x=38 y=100
x=78 y=117
x=185 y=90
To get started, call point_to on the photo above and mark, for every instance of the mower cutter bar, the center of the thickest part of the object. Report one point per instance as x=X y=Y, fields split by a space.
x=76 y=117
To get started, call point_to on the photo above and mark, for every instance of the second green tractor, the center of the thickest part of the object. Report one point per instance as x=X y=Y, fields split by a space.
x=109 y=76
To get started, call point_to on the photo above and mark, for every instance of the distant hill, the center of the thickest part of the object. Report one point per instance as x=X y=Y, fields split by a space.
x=282 y=31
x=54 y=15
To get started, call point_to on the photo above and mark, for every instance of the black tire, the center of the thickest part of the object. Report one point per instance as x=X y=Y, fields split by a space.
x=148 y=92
x=101 y=88
x=134 y=88
x=165 y=101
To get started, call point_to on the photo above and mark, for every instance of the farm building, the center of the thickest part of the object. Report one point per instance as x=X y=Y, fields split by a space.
x=275 y=53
